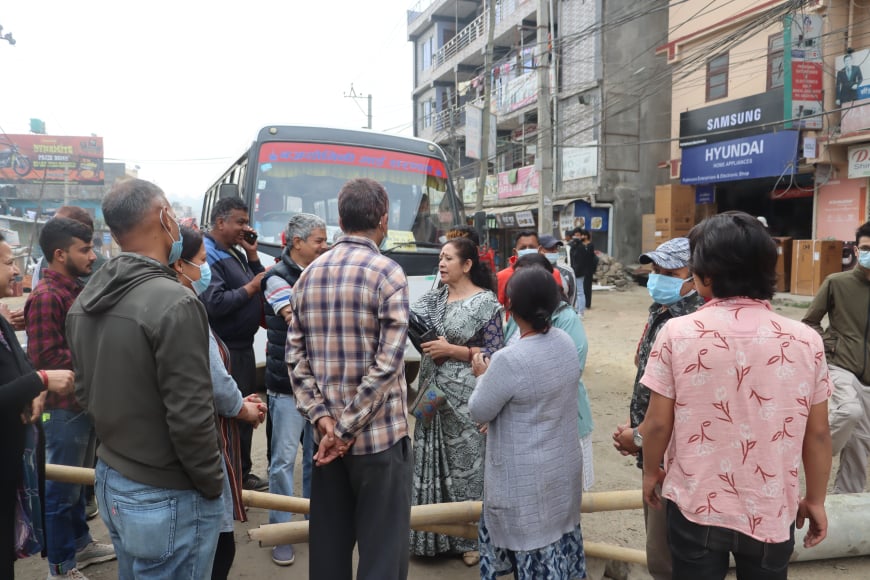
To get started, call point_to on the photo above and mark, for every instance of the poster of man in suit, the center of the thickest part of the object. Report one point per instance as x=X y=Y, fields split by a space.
x=850 y=77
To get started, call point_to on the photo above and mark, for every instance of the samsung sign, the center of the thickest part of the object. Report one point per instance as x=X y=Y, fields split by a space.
x=768 y=155
x=738 y=118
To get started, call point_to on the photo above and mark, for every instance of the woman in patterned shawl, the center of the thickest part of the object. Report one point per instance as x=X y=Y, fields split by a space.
x=448 y=447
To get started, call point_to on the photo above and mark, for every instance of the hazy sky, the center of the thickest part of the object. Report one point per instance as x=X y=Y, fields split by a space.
x=181 y=88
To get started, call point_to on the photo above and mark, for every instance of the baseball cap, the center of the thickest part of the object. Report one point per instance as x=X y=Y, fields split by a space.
x=548 y=242
x=670 y=255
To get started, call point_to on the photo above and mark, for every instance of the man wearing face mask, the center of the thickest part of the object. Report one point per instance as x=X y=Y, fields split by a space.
x=526 y=243
x=139 y=343
x=550 y=249
x=673 y=292
x=845 y=299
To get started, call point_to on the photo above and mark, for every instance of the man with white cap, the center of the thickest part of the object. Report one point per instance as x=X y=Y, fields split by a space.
x=673 y=292
x=550 y=249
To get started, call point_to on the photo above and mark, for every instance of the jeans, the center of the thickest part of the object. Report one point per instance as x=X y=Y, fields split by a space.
x=68 y=437
x=288 y=425
x=158 y=533
x=580 y=301
x=701 y=551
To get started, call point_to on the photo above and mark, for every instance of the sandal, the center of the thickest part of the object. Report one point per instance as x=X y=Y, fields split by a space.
x=471 y=558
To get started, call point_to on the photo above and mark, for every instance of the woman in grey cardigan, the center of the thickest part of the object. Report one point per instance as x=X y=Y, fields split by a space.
x=527 y=396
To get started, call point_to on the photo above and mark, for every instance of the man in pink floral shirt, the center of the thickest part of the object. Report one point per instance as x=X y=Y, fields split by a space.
x=739 y=394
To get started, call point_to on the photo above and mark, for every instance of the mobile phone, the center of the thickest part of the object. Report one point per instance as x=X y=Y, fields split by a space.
x=250 y=236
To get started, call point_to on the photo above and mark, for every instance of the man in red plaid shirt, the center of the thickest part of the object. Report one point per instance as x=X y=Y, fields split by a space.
x=69 y=252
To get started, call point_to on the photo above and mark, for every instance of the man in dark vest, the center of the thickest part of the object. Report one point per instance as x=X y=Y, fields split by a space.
x=304 y=239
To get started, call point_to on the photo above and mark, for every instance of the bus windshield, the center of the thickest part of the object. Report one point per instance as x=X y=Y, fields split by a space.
x=306 y=177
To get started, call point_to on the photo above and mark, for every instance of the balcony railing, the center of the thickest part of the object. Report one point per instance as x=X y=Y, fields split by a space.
x=464 y=38
x=417 y=10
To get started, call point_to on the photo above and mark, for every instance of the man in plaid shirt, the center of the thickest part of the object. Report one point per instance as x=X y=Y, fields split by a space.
x=69 y=433
x=345 y=350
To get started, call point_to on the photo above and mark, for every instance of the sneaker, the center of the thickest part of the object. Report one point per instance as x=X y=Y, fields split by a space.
x=255 y=483
x=73 y=574
x=283 y=555
x=94 y=553
x=92 y=510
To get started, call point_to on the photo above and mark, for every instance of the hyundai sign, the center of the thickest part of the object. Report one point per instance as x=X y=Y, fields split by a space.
x=768 y=155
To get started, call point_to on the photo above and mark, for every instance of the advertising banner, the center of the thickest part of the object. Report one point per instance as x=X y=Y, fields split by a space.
x=852 y=90
x=516 y=182
x=34 y=158
x=579 y=162
x=806 y=71
x=751 y=115
x=841 y=208
x=768 y=155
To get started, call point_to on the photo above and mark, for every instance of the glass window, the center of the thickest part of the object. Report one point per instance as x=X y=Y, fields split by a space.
x=775 y=62
x=717 y=77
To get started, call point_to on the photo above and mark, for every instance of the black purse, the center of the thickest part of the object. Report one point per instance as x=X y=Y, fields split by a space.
x=419 y=331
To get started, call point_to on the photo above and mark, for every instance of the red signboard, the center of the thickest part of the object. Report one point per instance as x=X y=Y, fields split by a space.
x=516 y=182
x=806 y=79
x=285 y=152
x=38 y=158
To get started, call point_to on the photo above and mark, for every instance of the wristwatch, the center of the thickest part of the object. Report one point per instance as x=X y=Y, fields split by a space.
x=637 y=437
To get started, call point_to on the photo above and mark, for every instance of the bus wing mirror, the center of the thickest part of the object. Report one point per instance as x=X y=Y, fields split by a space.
x=228 y=190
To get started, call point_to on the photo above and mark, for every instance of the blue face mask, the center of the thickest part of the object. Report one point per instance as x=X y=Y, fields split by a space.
x=526 y=252
x=177 y=245
x=200 y=285
x=553 y=258
x=864 y=259
x=664 y=289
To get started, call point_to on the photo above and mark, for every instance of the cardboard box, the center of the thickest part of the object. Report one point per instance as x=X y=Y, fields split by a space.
x=648 y=232
x=783 y=264
x=663 y=235
x=812 y=262
x=675 y=207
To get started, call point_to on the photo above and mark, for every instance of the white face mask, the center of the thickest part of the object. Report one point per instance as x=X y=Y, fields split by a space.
x=526 y=252
x=553 y=258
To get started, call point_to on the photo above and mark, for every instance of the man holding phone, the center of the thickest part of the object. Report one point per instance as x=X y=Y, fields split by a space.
x=234 y=306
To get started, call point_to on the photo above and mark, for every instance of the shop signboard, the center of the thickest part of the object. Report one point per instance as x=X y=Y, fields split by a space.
x=859 y=161
x=525 y=219
x=507 y=220
x=579 y=162
x=705 y=194
x=840 y=208
x=805 y=62
x=738 y=118
x=768 y=155
x=51 y=159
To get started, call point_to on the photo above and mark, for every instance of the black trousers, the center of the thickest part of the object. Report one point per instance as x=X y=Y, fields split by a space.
x=587 y=289
x=702 y=551
x=244 y=370
x=364 y=500
x=8 y=499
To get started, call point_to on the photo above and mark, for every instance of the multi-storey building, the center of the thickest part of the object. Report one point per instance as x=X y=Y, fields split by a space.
x=608 y=102
x=769 y=112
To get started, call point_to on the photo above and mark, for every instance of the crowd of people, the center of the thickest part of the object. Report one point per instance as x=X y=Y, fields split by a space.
x=149 y=359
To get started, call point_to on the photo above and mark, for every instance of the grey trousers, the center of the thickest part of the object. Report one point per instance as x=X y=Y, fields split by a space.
x=364 y=500
x=658 y=553
x=849 y=417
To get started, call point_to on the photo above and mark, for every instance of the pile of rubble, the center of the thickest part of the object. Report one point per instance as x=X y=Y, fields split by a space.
x=612 y=273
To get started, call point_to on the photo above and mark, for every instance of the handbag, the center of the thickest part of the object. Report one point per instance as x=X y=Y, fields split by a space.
x=419 y=331
x=427 y=403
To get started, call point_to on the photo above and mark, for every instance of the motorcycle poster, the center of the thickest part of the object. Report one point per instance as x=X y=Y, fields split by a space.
x=51 y=159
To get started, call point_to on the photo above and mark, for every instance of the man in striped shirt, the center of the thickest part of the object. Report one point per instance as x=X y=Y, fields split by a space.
x=345 y=349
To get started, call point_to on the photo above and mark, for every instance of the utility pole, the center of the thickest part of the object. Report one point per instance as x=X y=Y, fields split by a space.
x=485 y=128
x=544 y=154
x=353 y=95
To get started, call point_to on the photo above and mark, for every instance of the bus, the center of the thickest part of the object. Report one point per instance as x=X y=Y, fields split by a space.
x=292 y=169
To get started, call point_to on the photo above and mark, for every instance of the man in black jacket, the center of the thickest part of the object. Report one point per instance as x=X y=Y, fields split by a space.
x=305 y=239
x=234 y=306
x=583 y=262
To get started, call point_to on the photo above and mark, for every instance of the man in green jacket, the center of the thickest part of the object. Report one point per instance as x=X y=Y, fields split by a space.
x=845 y=298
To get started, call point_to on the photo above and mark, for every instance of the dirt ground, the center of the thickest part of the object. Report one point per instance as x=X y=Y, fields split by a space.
x=614 y=325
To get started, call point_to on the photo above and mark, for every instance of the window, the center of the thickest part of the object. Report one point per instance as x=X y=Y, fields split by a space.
x=428 y=52
x=717 y=77
x=775 y=61
x=428 y=112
